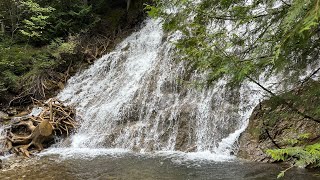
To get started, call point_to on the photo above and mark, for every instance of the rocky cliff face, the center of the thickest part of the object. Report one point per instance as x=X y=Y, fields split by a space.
x=273 y=124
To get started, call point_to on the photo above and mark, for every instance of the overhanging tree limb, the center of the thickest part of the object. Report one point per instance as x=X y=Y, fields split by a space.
x=284 y=101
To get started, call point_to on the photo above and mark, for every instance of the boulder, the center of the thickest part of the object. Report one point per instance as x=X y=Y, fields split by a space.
x=274 y=125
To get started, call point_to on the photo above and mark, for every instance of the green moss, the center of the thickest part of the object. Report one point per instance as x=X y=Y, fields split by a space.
x=274 y=123
x=256 y=132
x=306 y=99
x=290 y=129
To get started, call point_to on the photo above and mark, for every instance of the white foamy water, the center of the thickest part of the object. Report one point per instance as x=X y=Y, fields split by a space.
x=65 y=153
x=135 y=98
x=2 y=136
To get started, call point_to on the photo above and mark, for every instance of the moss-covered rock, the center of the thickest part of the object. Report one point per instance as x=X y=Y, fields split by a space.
x=275 y=124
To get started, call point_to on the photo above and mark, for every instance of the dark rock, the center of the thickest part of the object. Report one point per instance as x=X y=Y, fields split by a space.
x=185 y=140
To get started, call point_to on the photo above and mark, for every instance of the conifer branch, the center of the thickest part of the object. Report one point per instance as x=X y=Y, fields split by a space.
x=285 y=3
x=310 y=76
x=284 y=101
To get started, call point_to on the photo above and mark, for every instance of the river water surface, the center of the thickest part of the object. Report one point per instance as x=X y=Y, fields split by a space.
x=119 y=164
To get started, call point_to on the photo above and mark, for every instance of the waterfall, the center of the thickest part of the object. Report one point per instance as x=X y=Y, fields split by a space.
x=2 y=136
x=137 y=98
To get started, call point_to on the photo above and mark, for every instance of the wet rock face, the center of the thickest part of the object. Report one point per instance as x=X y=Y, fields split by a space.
x=252 y=142
x=275 y=125
x=185 y=139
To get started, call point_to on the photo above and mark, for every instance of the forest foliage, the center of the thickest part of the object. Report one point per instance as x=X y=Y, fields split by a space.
x=40 y=39
x=32 y=33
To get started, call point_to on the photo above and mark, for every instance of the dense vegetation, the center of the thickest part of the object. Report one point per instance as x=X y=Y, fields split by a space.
x=41 y=41
x=245 y=40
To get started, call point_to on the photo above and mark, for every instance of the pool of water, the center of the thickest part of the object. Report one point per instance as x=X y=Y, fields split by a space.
x=127 y=165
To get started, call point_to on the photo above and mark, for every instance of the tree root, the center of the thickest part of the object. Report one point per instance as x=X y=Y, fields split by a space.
x=33 y=133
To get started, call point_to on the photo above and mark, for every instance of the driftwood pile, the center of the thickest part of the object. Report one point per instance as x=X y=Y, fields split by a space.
x=36 y=131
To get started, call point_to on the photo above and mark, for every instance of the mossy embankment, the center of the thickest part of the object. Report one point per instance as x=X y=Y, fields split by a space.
x=288 y=123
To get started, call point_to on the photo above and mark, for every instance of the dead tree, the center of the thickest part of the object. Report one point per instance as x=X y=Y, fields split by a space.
x=33 y=132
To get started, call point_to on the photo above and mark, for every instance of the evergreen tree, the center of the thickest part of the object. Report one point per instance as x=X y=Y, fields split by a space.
x=241 y=39
x=37 y=21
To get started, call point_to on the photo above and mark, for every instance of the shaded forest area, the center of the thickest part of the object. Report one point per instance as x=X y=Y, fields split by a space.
x=43 y=42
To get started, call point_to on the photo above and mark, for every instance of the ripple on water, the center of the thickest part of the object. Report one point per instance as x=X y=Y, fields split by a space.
x=119 y=164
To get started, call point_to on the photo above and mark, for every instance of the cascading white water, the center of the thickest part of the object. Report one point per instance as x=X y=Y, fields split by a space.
x=2 y=136
x=135 y=98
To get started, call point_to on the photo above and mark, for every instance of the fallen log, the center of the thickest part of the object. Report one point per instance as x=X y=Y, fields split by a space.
x=33 y=132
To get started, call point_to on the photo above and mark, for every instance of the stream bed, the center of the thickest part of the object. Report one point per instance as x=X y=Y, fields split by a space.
x=120 y=164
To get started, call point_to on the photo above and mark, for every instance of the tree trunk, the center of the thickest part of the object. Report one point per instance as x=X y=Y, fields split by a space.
x=128 y=4
x=2 y=27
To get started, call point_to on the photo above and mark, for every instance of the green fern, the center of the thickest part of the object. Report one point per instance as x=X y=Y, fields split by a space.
x=300 y=156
